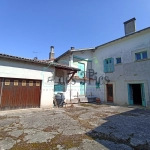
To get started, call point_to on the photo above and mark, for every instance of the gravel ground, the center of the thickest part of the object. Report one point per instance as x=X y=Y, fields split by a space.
x=84 y=127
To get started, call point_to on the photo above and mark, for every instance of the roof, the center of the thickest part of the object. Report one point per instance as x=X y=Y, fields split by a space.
x=94 y=48
x=123 y=37
x=42 y=62
x=74 y=50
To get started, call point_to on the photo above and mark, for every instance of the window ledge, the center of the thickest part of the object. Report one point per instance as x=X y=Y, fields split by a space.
x=142 y=60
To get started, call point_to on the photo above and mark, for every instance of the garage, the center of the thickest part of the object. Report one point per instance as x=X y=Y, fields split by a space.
x=19 y=93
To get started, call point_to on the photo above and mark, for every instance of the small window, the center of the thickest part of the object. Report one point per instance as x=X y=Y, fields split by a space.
x=23 y=82
x=30 y=83
x=118 y=60
x=15 y=82
x=37 y=83
x=141 y=55
x=7 y=82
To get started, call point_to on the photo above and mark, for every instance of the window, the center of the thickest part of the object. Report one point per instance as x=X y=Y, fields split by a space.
x=59 y=88
x=108 y=65
x=141 y=55
x=118 y=60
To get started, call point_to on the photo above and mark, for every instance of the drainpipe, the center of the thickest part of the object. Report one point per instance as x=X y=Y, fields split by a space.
x=70 y=91
x=1 y=91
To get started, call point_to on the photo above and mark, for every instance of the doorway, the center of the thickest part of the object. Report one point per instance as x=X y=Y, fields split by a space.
x=137 y=98
x=136 y=94
x=109 y=88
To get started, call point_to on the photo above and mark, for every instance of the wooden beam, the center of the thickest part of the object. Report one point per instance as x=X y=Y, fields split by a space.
x=71 y=76
x=72 y=72
x=69 y=69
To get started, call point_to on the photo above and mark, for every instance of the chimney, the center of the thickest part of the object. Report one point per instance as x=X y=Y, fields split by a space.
x=72 y=48
x=51 y=54
x=129 y=26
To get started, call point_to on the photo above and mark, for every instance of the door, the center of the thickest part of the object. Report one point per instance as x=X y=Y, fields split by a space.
x=143 y=95
x=130 y=94
x=20 y=93
x=81 y=67
x=109 y=92
x=82 y=91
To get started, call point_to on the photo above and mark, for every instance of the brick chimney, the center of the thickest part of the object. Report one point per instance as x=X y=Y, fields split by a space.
x=51 y=54
x=129 y=26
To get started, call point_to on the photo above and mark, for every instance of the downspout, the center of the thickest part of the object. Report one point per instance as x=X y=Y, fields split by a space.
x=1 y=91
x=70 y=64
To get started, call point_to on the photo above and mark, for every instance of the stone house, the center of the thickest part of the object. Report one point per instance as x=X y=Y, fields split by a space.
x=118 y=71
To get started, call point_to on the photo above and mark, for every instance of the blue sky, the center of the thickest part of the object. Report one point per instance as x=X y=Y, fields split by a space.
x=28 y=26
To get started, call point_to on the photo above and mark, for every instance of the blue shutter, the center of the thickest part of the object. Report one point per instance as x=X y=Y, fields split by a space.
x=108 y=65
x=59 y=88
x=104 y=65
x=130 y=95
x=81 y=73
x=143 y=95
x=97 y=85
x=112 y=64
x=81 y=88
x=79 y=68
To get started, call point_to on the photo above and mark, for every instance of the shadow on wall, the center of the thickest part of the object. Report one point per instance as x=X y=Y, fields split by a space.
x=127 y=130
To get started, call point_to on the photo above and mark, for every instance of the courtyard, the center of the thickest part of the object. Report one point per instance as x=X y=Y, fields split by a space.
x=83 y=127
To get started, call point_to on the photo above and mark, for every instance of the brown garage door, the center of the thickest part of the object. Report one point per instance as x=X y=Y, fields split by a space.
x=19 y=93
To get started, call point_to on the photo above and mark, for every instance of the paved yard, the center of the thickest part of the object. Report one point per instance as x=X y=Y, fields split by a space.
x=86 y=127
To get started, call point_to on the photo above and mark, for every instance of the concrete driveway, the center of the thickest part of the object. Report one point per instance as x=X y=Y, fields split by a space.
x=86 y=127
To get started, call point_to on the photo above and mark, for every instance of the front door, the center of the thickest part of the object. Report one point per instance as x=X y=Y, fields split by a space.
x=109 y=92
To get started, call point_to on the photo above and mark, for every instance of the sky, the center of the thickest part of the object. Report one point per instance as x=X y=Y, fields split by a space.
x=29 y=27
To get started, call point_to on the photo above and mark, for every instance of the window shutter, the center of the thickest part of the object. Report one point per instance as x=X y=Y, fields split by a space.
x=143 y=95
x=112 y=64
x=104 y=65
x=130 y=95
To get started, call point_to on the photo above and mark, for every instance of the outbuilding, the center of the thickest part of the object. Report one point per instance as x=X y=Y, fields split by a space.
x=27 y=83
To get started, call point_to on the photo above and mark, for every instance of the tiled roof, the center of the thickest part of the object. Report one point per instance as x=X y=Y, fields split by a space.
x=36 y=61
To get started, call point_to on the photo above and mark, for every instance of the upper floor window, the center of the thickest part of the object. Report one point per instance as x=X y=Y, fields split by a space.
x=118 y=60
x=141 y=55
x=108 y=65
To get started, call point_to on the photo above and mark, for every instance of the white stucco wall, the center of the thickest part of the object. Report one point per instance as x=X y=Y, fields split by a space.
x=23 y=70
x=129 y=71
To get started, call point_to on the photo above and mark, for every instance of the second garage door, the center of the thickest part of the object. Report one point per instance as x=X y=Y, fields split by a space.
x=19 y=93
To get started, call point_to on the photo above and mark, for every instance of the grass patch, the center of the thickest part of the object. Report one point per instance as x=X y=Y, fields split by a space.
x=65 y=141
x=50 y=129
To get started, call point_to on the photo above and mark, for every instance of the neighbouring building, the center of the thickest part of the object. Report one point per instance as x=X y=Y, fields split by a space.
x=27 y=83
x=117 y=72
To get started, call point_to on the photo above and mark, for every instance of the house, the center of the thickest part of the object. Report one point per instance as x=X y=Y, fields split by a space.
x=116 y=72
x=27 y=83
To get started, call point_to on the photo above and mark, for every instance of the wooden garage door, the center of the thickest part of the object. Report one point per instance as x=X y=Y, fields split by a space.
x=19 y=93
